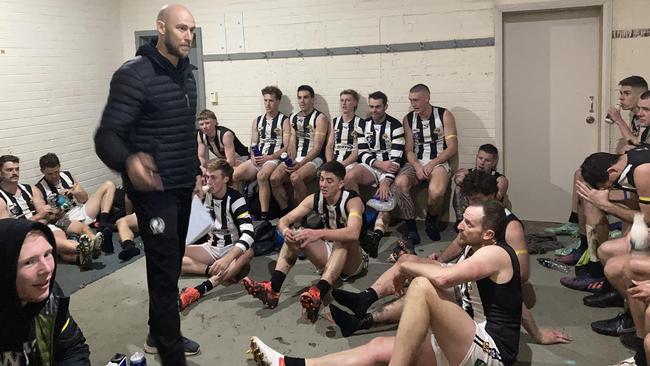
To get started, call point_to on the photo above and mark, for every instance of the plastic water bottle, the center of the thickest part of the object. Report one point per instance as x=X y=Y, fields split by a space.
x=137 y=359
x=553 y=264
x=286 y=159
x=256 y=150
x=380 y=205
x=639 y=233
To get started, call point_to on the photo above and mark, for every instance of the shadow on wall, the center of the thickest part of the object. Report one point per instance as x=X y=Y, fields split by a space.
x=321 y=104
x=285 y=105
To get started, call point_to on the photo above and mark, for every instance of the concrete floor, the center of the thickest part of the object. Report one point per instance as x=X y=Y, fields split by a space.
x=113 y=315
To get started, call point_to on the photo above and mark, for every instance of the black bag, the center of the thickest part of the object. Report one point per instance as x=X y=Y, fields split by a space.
x=253 y=202
x=264 y=238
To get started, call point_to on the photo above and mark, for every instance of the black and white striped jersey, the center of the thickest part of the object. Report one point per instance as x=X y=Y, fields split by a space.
x=49 y=190
x=345 y=137
x=270 y=133
x=381 y=141
x=334 y=216
x=21 y=206
x=638 y=156
x=305 y=128
x=428 y=135
x=216 y=145
x=232 y=222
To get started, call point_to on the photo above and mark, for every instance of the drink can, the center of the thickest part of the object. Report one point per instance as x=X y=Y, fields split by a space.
x=138 y=359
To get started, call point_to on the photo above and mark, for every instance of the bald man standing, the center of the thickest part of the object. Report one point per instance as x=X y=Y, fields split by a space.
x=147 y=134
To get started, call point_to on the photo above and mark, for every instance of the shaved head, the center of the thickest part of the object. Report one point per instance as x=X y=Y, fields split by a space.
x=175 y=25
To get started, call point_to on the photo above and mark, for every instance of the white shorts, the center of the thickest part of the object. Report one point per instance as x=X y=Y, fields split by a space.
x=272 y=161
x=53 y=227
x=344 y=277
x=376 y=173
x=216 y=251
x=317 y=161
x=483 y=348
x=444 y=165
x=78 y=213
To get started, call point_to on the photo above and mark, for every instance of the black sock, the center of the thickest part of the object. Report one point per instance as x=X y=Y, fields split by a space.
x=433 y=218
x=348 y=323
x=128 y=250
x=595 y=269
x=264 y=216
x=277 y=279
x=204 y=287
x=573 y=218
x=379 y=232
x=207 y=270
x=104 y=219
x=639 y=357
x=324 y=287
x=294 y=361
x=584 y=244
x=357 y=302
x=411 y=226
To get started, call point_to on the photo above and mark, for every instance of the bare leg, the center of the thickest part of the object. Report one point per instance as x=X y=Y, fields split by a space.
x=278 y=178
x=233 y=270
x=195 y=260
x=126 y=227
x=438 y=183
x=299 y=180
x=263 y=177
x=359 y=175
x=66 y=249
x=426 y=306
x=101 y=200
x=244 y=172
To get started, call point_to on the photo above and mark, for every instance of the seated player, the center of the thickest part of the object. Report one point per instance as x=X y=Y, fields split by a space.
x=381 y=150
x=629 y=92
x=271 y=134
x=478 y=186
x=601 y=172
x=308 y=134
x=84 y=208
x=431 y=141
x=334 y=250
x=342 y=140
x=226 y=255
x=433 y=329
x=37 y=328
x=486 y=160
x=23 y=201
x=219 y=140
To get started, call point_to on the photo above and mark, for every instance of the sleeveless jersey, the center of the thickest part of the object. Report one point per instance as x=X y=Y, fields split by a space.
x=334 y=216
x=428 y=135
x=635 y=157
x=345 y=137
x=232 y=223
x=48 y=190
x=270 y=133
x=21 y=206
x=305 y=128
x=381 y=141
x=217 y=146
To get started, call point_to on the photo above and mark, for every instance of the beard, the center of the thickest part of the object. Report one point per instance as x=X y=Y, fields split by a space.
x=174 y=50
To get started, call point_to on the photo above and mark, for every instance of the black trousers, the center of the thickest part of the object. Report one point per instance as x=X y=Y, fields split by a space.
x=163 y=218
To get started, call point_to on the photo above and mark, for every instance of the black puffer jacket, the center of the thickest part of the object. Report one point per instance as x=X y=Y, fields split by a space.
x=151 y=108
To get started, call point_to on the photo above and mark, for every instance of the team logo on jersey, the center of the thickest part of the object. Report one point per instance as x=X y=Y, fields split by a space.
x=354 y=134
x=277 y=131
x=385 y=136
x=437 y=130
x=341 y=220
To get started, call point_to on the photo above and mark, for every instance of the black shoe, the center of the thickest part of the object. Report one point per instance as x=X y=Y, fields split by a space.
x=372 y=244
x=107 y=244
x=618 y=325
x=631 y=341
x=609 y=299
x=190 y=347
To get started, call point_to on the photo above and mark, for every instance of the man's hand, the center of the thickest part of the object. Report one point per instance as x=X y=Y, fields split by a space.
x=552 y=336
x=640 y=291
x=597 y=197
x=290 y=236
x=306 y=236
x=399 y=281
x=429 y=167
x=387 y=166
x=295 y=166
x=434 y=257
x=419 y=171
x=143 y=173
x=384 y=190
x=219 y=267
x=615 y=114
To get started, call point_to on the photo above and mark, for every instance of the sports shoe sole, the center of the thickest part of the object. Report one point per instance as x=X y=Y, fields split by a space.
x=154 y=350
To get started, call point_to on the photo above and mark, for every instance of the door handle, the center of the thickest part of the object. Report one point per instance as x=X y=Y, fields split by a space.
x=591 y=104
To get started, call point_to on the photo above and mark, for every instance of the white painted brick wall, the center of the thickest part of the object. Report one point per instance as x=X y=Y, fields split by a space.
x=54 y=75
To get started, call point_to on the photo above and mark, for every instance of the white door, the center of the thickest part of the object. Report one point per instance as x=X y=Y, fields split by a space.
x=551 y=68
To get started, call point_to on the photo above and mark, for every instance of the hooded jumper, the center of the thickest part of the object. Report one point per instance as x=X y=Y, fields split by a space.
x=43 y=332
x=152 y=109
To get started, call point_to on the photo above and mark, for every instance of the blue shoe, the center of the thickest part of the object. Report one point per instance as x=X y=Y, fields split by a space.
x=568 y=228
